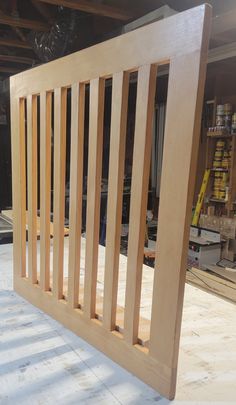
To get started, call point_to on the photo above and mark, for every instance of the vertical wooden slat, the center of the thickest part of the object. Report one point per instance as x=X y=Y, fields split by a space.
x=32 y=186
x=139 y=190
x=120 y=89
x=19 y=185
x=45 y=187
x=177 y=185
x=96 y=112
x=76 y=189
x=60 y=98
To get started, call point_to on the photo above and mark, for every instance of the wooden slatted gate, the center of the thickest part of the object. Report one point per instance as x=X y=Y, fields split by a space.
x=181 y=41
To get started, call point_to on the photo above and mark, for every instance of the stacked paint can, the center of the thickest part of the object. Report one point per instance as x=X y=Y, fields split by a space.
x=217 y=183
x=228 y=115
x=220 y=116
x=224 y=116
x=220 y=185
x=221 y=161
x=217 y=162
x=233 y=128
x=226 y=160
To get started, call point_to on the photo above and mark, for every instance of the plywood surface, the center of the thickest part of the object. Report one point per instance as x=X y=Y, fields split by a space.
x=8 y=214
x=38 y=350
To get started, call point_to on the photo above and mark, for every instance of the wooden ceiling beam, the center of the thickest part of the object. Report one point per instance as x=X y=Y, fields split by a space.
x=43 y=10
x=23 y=23
x=89 y=6
x=16 y=59
x=6 y=69
x=15 y=43
x=18 y=32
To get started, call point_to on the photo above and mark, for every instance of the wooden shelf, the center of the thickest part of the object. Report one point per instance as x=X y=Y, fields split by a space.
x=218 y=200
x=219 y=170
x=221 y=206
x=219 y=134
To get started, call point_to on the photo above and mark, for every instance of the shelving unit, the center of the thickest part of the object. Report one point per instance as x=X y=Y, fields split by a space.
x=227 y=206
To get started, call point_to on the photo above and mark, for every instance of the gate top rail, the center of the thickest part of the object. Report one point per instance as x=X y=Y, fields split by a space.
x=161 y=41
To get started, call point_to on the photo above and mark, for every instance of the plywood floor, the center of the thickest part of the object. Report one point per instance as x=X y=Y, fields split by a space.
x=42 y=363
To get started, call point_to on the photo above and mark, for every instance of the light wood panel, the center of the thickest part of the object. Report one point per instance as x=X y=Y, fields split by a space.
x=180 y=158
x=149 y=39
x=22 y=188
x=45 y=187
x=96 y=115
x=76 y=189
x=120 y=88
x=19 y=184
x=32 y=186
x=181 y=40
x=60 y=101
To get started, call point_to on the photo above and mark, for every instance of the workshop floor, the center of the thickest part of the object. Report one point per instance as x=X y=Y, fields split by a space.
x=41 y=362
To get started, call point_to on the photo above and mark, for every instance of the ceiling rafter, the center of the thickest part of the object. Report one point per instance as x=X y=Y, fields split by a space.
x=43 y=10
x=23 y=23
x=9 y=69
x=16 y=59
x=15 y=43
x=18 y=32
x=89 y=6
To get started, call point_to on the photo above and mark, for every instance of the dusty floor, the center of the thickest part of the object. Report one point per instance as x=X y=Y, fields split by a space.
x=43 y=363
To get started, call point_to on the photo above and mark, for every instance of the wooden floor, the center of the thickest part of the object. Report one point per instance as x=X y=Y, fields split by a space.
x=42 y=362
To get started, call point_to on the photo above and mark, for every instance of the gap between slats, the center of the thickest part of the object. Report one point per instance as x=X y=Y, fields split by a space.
x=146 y=88
x=120 y=89
x=76 y=190
x=60 y=101
x=45 y=188
x=96 y=117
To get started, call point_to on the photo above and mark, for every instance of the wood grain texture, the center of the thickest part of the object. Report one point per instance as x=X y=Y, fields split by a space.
x=18 y=184
x=120 y=89
x=180 y=152
x=146 y=89
x=134 y=358
x=181 y=40
x=32 y=176
x=149 y=38
x=45 y=187
x=96 y=114
x=60 y=101
x=76 y=190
